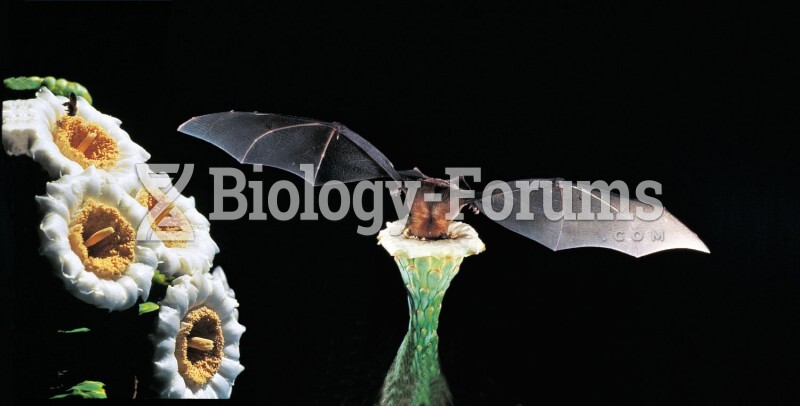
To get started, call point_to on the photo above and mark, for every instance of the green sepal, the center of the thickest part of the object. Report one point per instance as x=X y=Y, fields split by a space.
x=86 y=390
x=76 y=330
x=147 y=307
x=162 y=279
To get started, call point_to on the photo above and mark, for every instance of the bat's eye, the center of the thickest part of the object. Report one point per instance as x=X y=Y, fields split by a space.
x=102 y=239
x=85 y=142
x=198 y=347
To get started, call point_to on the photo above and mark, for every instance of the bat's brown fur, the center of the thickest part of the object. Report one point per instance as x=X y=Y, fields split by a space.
x=429 y=219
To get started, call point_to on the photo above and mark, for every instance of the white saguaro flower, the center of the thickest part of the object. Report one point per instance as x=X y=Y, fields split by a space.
x=464 y=242
x=67 y=144
x=197 y=338
x=188 y=246
x=88 y=235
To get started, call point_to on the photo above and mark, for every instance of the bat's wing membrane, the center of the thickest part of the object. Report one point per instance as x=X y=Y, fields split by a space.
x=286 y=142
x=636 y=237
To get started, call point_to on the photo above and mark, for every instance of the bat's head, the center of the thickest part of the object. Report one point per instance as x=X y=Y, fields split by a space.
x=430 y=215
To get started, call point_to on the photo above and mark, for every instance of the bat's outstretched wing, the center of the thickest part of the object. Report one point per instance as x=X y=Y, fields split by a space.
x=286 y=142
x=636 y=237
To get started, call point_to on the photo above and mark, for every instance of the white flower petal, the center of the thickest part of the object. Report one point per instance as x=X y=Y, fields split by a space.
x=71 y=267
x=219 y=275
x=50 y=205
x=177 y=299
x=146 y=255
x=206 y=392
x=141 y=275
x=177 y=388
x=167 y=367
x=169 y=321
x=23 y=120
x=233 y=330
x=230 y=369
x=232 y=351
x=88 y=284
x=221 y=386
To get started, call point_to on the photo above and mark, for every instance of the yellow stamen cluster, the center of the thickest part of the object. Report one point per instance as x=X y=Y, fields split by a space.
x=198 y=346
x=103 y=240
x=85 y=142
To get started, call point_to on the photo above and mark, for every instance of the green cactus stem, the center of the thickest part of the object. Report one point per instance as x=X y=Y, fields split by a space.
x=60 y=87
x=427 y=268
x=415 y=376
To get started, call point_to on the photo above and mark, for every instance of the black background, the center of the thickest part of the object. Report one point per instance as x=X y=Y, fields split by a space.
x=693 y=97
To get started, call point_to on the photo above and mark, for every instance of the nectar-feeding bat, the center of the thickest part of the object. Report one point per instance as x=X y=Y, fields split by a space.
x=339 y=154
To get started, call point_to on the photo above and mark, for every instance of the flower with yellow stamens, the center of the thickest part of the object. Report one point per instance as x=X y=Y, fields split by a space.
x=188 y=246
x=88 y=234
x=67 y=144
x=197 y=338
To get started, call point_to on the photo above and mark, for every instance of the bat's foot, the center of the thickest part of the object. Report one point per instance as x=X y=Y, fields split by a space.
x=474 y=208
